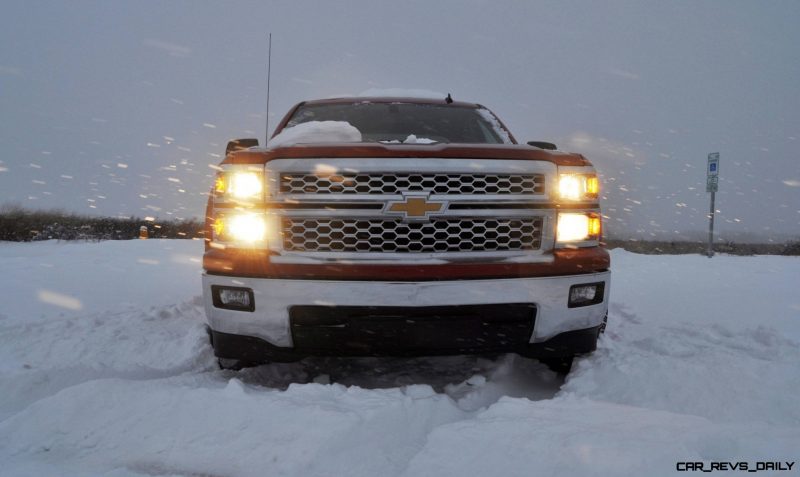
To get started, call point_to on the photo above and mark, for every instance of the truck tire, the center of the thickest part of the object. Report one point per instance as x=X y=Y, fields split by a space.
x=560 y=366
x=234 y=364
x=228 y=363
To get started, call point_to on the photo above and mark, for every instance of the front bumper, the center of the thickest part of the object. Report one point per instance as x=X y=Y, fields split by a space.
x=257 y=350
x=269 y=324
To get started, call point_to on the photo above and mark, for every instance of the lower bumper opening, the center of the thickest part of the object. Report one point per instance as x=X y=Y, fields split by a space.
x=389 y=330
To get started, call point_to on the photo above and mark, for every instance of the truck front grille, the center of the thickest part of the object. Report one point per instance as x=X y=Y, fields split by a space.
x=392 y=235
x=397 y=183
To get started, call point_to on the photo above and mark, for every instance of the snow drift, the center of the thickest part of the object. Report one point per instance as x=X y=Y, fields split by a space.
x=699 y=363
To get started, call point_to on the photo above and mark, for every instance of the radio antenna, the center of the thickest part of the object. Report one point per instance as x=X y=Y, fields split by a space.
x=269 y=68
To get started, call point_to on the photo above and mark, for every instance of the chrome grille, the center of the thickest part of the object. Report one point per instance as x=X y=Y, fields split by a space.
x=302 y=234
x=397 y=183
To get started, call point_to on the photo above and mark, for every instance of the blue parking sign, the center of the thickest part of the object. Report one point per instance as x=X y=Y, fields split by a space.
x=713 y=164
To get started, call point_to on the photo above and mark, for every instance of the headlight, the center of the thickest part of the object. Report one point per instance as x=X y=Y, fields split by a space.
x=578 y=186
x=240 y=185
x=578 y=227
x=242 y=227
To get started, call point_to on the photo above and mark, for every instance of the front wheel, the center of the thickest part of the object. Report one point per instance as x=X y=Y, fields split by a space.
x=560 y=366
x=229 y=363
x=234 y=364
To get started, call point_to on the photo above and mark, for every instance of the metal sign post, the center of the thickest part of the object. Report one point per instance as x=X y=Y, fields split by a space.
x=712 y=185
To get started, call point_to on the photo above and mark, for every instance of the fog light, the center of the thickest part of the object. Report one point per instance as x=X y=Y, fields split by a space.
x=586 y=294
x=233 y=298
x=577 y=294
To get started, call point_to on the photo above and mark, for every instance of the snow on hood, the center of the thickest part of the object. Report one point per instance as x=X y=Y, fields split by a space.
x=413 y=139
x=316 y=132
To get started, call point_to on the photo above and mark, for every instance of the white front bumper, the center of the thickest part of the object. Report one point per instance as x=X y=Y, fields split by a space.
x=274 y=297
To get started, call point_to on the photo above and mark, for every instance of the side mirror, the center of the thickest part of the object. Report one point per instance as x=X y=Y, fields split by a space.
x=543 y=145
x=239 y=144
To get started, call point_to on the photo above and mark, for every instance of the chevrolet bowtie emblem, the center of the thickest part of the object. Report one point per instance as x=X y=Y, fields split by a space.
x=414 y=207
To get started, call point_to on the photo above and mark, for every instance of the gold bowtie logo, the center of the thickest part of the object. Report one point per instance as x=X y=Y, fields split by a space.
x=415 y=207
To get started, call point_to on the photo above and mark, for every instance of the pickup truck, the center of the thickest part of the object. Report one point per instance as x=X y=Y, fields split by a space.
x=402 y=227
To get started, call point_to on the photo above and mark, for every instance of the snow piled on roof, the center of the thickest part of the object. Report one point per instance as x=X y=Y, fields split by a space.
x=316 y=132
x=402 y=93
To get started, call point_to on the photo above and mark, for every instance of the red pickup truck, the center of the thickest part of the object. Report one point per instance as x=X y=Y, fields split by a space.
x=402 y=226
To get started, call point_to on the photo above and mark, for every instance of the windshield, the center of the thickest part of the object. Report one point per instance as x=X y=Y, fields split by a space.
x=397 y=122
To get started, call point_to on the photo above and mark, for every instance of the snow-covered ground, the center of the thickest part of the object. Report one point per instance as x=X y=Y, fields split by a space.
x=105 y=370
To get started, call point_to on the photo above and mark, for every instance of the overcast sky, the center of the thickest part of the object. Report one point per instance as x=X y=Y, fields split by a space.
x=118 y=108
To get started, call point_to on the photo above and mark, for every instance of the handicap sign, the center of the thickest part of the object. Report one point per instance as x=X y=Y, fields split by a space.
x=713 y=164
x=712 y=178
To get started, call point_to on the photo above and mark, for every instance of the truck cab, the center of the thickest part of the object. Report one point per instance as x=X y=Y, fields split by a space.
x=402 y=227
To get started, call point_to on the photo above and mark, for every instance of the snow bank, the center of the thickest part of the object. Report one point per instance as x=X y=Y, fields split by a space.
x=569 y=437
x=715 y=338
x=201 y=425
x=699 y=363
x=99 y=277
x=316 y=132
x=140 y=315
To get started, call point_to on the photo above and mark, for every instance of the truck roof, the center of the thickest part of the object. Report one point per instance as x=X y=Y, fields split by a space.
x=390 y=99
x=260 y=155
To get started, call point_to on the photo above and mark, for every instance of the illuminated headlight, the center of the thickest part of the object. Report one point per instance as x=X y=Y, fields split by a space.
x=578 y=227
x=248 y=228
x=240 y=185
x=578 y=186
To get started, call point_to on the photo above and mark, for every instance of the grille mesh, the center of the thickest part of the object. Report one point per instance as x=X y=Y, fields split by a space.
x=390 y=235
x=391 y=183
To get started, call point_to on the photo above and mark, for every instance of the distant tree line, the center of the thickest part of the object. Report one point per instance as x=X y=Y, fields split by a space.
x=679 y=248
x=21 y=225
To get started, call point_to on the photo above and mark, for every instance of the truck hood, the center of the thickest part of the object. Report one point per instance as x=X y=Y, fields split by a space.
x=260 y=155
